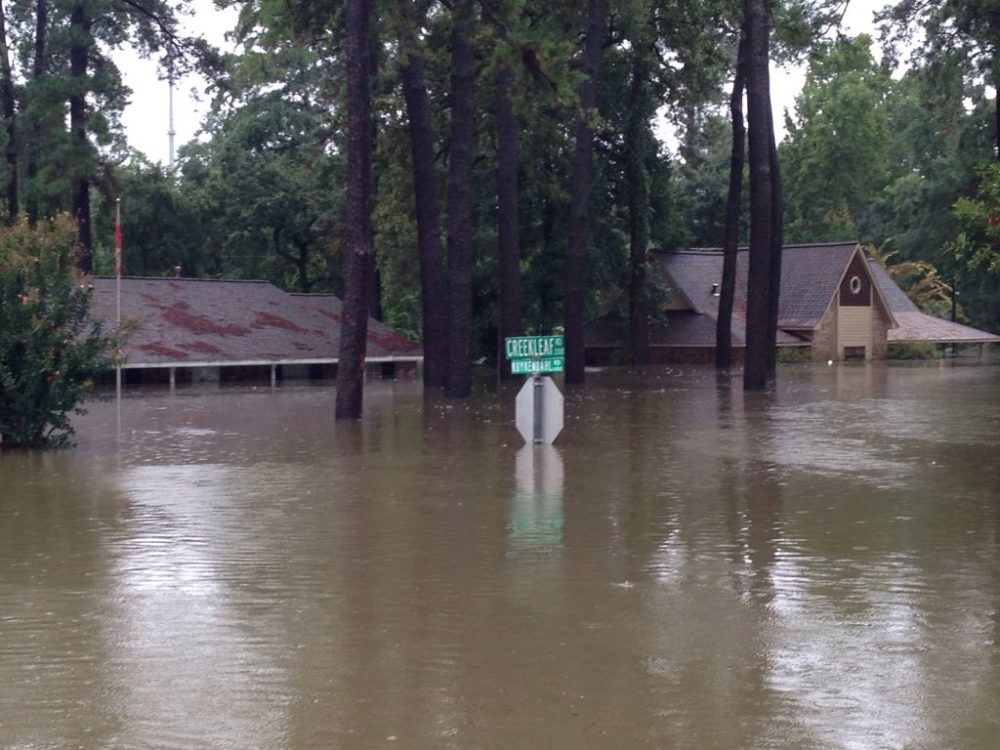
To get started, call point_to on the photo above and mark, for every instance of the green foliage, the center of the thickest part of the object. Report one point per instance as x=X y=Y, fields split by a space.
x=793 y=354
x=834 y=160
x=48 y=160
x=978 y=245
x=945 y=30
x=922 y=350
x=920 y=279
x=50 y=347
x=162 y=227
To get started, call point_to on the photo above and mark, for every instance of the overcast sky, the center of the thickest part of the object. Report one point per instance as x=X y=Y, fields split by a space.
x=146 y=118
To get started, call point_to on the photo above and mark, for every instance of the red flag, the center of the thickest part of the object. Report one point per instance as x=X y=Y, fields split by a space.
x=118 y=241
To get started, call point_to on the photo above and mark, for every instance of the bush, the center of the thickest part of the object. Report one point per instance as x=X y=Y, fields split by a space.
x=50 y=347
x=917 y=350
x=793 y=354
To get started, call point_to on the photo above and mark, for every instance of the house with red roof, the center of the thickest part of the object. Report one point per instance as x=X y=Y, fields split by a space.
x=835 y=304
x=218 y=329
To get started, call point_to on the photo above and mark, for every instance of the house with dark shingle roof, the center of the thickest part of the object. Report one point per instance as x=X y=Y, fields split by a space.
x=914 y=326
x=195 y=329
x=834 y=303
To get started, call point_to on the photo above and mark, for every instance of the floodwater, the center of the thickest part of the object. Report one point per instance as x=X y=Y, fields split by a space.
x=686 y=568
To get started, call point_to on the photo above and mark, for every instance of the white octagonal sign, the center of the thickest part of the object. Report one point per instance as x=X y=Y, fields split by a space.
x=545 y=424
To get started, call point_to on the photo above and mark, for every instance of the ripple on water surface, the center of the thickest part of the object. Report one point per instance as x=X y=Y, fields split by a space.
x=816 y=567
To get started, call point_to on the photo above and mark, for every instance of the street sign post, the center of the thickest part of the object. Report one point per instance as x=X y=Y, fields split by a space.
x=533 y=347
x=539 y=414
x=542 y=364
x=539 y=410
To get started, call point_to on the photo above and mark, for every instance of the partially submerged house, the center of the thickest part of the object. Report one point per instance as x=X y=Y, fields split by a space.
x=209 y=329
x=834 y=304
x=915 y=327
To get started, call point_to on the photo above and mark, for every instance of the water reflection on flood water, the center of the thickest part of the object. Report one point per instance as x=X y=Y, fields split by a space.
x=686 y=568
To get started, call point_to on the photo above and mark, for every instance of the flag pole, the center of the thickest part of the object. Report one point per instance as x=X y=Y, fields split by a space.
x=118 y=297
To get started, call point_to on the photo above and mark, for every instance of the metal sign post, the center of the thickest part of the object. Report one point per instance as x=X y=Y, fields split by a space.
x=539 y=412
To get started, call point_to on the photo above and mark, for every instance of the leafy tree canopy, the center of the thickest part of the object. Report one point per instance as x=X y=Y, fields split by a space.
x=50 y=347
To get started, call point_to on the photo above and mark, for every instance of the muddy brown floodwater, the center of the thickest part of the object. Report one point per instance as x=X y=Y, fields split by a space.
x=686 y=568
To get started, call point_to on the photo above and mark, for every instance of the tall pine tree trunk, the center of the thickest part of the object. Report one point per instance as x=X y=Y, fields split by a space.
x=375 y=277
x=37 y=71
x=7 y=108
x=461 y=159
x=777 y=240
x=508 y=225
x=79 y=53
x=637 y=188
x=761 y=194
x=996 y=107
x=358 y=255
x=580 y=182
x=727 y=293
x=433 y=284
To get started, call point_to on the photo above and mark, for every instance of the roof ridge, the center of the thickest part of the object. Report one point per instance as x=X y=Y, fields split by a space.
x=189 y=278
x=743 y=248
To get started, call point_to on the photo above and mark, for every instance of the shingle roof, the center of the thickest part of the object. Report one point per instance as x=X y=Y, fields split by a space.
x=192 y=322
x=915 y=326
x=894 y=296
x=683 y=328
x=809 y=277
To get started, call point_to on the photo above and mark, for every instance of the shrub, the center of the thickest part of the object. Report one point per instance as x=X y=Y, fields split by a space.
x=50 y=347
x=917 y=350
x=793 y=354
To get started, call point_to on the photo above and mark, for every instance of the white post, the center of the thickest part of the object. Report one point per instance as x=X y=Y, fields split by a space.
x=170 y=132
x=539 y=404
x=118 y=296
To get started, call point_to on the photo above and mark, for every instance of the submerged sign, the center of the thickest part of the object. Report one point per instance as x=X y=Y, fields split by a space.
x=533 y=347
x=543 y=364
x=539 y=413
x=530 y=354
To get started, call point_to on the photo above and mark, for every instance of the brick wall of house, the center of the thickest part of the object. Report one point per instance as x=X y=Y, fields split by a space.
x=880 y=333
x=824 y=341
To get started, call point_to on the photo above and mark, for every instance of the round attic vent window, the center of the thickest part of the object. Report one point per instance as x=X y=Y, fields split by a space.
x=855 y=284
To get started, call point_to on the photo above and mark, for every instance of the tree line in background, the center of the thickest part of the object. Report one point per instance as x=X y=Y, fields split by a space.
x=515 y=154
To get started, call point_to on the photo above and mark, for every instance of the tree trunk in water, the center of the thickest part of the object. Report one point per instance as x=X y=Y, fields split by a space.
x=761 y=215
x=79 y=52
x=358 y=256
x=637 y=186
x=7 y=108
x=996 y=111
x=433 y=289
x=461 y=159
x=580 y=179
x=375 y=292
x=37 y=71
x=727 y=293
x=508 y=227
x=777 y=240
x=375 y=276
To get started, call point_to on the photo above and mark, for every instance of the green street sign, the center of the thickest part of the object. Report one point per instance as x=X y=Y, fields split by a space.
x=534 y=347
x=542 y=364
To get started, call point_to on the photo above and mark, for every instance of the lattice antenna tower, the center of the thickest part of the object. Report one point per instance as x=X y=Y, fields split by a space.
x=170 y=113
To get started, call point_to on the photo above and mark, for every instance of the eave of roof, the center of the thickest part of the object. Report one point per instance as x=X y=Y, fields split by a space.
x=209 y=323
